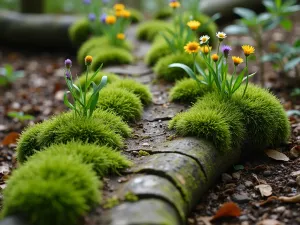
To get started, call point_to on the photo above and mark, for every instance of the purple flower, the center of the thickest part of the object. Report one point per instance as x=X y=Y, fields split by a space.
x=68 y=63
x=103 y=17
x=86 y=2
x=68 y=75
x=92 y=17
x=226 y=49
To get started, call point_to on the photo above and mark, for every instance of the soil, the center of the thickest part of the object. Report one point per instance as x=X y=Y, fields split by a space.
x=40 y=94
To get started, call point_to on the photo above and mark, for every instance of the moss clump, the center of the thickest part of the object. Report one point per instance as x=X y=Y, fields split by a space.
x=124 y=103
x=130 y=197
x=103 y=129
x=136 y=88
x=79 y=32
x=265 y=120
x=164 y=13
x=187 y=90
x=136 y=15
x=148 y=30
x=88 y=47
x=110 y=56
x=111 y=77
x=158 y=50
x=171 y=74
x=111 y=202
x=105 y=161
x=143 y=153
x=215 y=119
x=57 y=190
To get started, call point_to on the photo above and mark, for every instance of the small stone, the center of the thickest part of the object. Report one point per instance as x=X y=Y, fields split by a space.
x=291 y=183
x=231 y=185
x=241 y=187
x=243 y=218
x=213 y=196
x=248 y=184
x=146 y=145
x=226 y=178
x=240 y=198
x=287 y=213
x=236 y=175
x=298 y=181
x=267 y=173
x=279 y=209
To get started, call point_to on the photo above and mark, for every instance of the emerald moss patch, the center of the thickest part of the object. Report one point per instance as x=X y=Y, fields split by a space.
x=158 y=50
x=79 y=32
x=148 y=30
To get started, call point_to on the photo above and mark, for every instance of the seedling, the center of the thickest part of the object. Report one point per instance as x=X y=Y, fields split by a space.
x=8 y=75
x=20 y=116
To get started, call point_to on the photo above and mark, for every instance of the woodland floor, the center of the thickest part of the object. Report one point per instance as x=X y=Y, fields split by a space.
x=40 y=94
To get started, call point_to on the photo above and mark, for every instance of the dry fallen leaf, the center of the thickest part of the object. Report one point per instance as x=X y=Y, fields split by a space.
x=295 y=151
x=226 y=210
x=264 y=189
x=11 y=138
x=276 y=155
x=269 y=222
x=294 y=199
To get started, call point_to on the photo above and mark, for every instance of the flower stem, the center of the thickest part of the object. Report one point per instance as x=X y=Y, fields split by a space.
x=85 y=91
x=247 y=78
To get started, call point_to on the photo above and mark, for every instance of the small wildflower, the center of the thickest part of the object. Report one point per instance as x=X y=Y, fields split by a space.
x=226 y=49
x=221 y=36
x=215 y=57
x=68 y=63
x=126 y=14
x=119 y=7
x=121 y=36
x=192 y=47
x=174 y=4
x=103 y=18
x=88 y=60
x=205 y=49
x=68 y=75
x=248 y=50
x=204 y=39
x=110 y=20
x=92 y=17
x=237 y=60
x=86 y=2
x=193 y=24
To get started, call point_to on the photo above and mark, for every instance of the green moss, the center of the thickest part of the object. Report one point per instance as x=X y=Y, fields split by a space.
x=57 y=190
x=88 y=47
x=136 y=88
x=187 y=90
x=124 y=103
x=110 y=56
x=148 y=30
x=79 y=32
x=158 y=50
x=105 y=161
x=130 y=197
x=164 y=13
x=264 y=117
x=143 y=153
x=111 y=77
x=111 y=202
x=171 y=74
x=136 y=15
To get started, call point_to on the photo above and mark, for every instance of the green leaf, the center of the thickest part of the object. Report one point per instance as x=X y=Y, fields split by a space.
x=249 y=76
x=244 y=13
x=66 y=101
x=297 y=43
x=93 y=103
x=287 y=24
x=236 y=29
x=292 y=9
x=264 y=17
x=200 y=70
x=238 y=81
x=293 y=112
x=238 y=167
x=187 y=69
x=292 y=64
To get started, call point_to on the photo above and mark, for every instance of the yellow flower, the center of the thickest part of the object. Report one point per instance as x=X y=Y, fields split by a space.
x=174 y=4
x=248 y=50
x=119 y=7
x=205 y=49
x=110 y=20
x=193 y=24
x=237 y=60
x=88 y=60
x=121 y=36
x=204 y=39
x=221 y=36
x=192 y=47
x=126 y=14
x=215 y=57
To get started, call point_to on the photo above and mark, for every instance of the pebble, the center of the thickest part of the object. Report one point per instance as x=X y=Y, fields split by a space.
x=279 y=209
x=240 y=198
x=267 y=173
x=298 y=181
x=241 y=187
x=248 y=183
x=291 y=183
x=226 y=178
x=236 y=175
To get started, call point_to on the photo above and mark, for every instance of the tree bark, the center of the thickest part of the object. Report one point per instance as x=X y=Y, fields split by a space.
x=32 y=6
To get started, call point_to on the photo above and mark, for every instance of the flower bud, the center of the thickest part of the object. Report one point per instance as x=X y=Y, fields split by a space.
x=68 y=63
x=215 y=57
x=88 y=60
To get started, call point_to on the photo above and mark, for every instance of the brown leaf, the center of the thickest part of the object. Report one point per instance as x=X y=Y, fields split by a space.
x=295 y=151
x=11 y=138
x=269 y=222
x=270 y=199
x=264 y=189
x=276 y=155
x=226 y=210
x=294 y=199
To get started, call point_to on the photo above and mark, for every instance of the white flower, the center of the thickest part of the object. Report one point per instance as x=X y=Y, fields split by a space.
x=204 y=39
x=221 y=35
